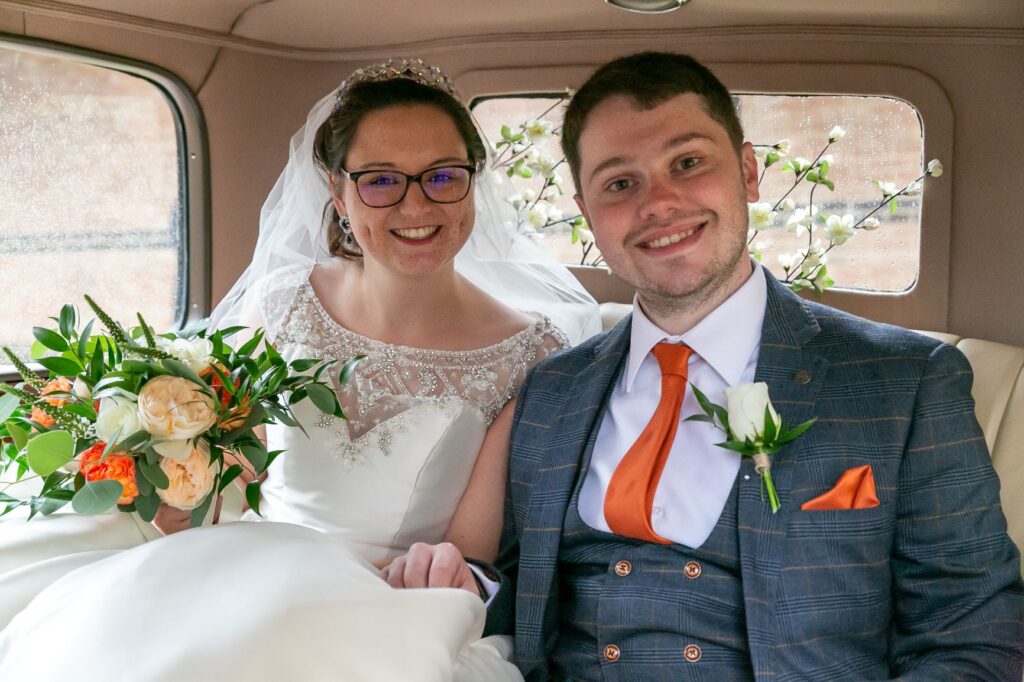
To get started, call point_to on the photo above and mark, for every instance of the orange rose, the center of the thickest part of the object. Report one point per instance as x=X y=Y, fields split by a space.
x=116 y=467
x=55 y=385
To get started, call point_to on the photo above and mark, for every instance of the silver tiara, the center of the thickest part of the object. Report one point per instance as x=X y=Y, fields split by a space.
x=398 y=67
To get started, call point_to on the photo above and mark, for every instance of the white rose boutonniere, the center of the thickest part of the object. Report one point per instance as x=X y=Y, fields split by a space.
x=752 y=428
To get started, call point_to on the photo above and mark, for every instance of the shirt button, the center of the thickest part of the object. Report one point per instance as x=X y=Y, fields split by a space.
x=692 y=570
x=692 y=653
x=623 y=568
x=612 y=653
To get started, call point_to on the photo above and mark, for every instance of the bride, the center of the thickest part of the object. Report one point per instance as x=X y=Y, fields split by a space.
x=394 y=158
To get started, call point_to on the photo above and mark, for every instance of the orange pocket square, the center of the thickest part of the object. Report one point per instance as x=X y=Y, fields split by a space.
x=854 y=490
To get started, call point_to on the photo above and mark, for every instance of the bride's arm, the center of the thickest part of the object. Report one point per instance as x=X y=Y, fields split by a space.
x=476 y=526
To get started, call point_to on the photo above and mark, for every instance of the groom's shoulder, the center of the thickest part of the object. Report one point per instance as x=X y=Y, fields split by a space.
x=851 y=337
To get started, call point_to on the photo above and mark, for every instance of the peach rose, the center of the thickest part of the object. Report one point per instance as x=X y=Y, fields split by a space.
x=116 y=467
x=55 y=385
x=190 y=480
x=172 y=408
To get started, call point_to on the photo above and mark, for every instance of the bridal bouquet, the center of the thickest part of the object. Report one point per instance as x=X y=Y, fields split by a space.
x=131 y=418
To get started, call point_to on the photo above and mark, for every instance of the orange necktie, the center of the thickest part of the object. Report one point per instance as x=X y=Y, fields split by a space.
x=630 y=496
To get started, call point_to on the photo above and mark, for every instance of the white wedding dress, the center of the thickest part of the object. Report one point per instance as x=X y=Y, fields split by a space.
x=294 y=596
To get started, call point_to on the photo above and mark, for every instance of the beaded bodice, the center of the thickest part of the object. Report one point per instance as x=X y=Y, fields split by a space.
x=393 y=472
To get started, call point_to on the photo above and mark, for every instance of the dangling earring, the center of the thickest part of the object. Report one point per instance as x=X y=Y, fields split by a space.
x=346 y=230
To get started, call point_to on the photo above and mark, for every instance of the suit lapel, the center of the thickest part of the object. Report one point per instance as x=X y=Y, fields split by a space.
x=573 y=431
x=794 y=377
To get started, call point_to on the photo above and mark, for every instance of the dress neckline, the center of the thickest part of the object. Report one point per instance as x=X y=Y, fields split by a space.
x=540 y=324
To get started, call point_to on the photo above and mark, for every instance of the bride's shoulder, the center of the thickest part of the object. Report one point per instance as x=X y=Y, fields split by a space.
x=507 y=323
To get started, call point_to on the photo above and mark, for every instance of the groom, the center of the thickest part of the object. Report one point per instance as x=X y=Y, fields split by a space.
x=635 y=549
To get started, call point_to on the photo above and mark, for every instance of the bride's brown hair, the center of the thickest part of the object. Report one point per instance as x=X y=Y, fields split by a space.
x=334 y=137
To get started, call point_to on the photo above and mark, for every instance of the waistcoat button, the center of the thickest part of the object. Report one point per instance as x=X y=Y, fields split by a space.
x=612 y=653
x=692 y=653
x=692 y=570
x=623 y=568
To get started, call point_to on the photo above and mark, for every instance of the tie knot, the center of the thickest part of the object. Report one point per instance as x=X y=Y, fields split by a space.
x=672 y=358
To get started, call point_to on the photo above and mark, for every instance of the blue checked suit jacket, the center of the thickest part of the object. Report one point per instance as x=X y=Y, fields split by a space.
x=925 y=586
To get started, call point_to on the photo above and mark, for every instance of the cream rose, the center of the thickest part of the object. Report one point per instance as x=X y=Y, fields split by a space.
x=195 y=353
x=190 y=480
x=746 y=405
x=117 y=419
x=172 y=408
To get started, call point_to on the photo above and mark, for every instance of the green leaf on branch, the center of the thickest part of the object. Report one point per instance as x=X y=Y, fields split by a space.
x=199 y=513
x=97 y=497
x=62 y=366
x=230 y=474
x=49 y=451
x=67 y=320
x=50 y=339
x=322 y=397
x=252 y=496
x=256 y=453
x=506 y=132
x=892 y=206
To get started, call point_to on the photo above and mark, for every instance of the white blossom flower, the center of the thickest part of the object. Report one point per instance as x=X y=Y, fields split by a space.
x=545 y=165
x=760 y=152
x=529 y=195
x=871 y=223
x=935 y=168
x=516 y=200
x=788 y=260
x=761 y=215
x=913 y=189
x=538 y=130
x=887 y=188
x=782 y=147
x=586 y=236
x=538 y=215
x=554 y=214
x=555 y=178
x=518 y=147
x=531 y=156
x=838 y=230
x=193 y=352
x=787 y=204
x=551 y=194
x=802 y=221
x=812 y=258
x=836 y=134
x=800 y=163
x=827 y=158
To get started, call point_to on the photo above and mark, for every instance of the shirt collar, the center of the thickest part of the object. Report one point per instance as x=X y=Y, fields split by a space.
x=725 y=339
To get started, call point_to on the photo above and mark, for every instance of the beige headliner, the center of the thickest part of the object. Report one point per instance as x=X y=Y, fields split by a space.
x=349 y=25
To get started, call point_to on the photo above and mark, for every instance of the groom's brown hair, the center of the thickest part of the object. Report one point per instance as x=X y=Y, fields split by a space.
x=649 y=79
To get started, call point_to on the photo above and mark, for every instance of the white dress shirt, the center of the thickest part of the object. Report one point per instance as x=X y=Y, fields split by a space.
x=698 y=475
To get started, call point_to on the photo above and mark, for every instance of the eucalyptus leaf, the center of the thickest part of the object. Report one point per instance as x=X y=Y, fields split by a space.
x=146 y=505
x=8 y=404
x=133 y=441
x=180 y=369
x=49 y=451
x=97 y=497
x=153 y=473
x=348 y=368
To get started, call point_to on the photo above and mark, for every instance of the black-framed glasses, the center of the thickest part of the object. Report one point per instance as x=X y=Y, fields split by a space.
x=383 y=188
